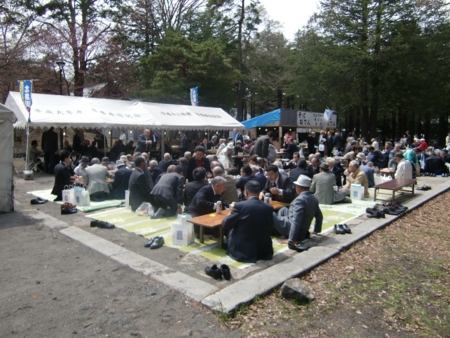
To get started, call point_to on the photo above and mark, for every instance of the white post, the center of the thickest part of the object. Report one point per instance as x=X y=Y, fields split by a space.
x=26 y=148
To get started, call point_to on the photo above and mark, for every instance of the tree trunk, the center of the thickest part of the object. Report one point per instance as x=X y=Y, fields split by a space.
x=240 y=86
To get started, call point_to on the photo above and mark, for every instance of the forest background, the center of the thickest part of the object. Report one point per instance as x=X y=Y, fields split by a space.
x=382 y=65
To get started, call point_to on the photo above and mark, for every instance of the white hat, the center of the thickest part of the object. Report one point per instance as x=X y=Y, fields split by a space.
x=124 y=158
x=230 y=145
x=303 y=181
x=119 y=163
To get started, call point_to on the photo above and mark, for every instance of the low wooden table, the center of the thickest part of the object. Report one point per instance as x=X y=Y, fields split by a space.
x=395 y=185
x=277 y=205
x=211 y=221
x=388 y=172
x=241 y=156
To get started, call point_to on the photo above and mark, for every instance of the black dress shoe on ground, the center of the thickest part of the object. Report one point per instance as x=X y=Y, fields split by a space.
x=38 y=201
x=297 y=247
x=339 y=229
x=68 y=211
x=157 y=242
x=214 y=272
x=225 y=271
x=346 y=228
x=101 y=224
x=150 y=242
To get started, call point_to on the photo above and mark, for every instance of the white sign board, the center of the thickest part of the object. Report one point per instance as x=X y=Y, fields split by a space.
x=308 y=119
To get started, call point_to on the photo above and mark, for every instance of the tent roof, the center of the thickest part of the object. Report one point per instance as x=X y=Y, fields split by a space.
x=81 y=112
x=270 y=117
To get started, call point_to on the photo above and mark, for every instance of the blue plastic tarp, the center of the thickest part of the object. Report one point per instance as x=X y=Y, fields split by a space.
x=270 y=117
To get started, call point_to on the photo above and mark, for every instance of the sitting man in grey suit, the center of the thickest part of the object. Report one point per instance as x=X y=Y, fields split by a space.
x=95 y=179
x=294 y=222
x=323 y=187
x=248 y=226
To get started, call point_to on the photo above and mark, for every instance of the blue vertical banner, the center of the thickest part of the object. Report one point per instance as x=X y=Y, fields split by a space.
x=194 y=96
x=25 y=94
x=327 y=115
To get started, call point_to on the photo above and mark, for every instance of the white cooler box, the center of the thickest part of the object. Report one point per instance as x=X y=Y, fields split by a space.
x=183 y=231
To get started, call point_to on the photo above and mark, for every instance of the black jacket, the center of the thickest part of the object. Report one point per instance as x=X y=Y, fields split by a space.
x=261 y=147
x=337 y=171
x=191 y=189
x=139 y=189
x=285 y=183
x=62 y=178
x=154 y=173
x=192 y=164
x=203 y=202
x=249 y=225
x=295 y=173
x=120 y=184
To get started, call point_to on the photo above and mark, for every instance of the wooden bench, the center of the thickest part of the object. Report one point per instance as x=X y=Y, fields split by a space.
x=395 y=185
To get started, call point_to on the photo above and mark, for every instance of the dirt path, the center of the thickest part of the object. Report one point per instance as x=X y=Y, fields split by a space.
x=52 y=286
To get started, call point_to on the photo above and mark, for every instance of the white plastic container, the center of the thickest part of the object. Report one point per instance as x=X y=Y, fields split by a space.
x=127 y=199
x=356 y=192
x=183 y=234
x=28 y=175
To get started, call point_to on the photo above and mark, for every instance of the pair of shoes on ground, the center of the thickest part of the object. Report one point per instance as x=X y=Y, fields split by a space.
x=375 y=213
x=297 y=247
x=424 y=187
x=101 y=224
x=155 y=242
x=342 y=229
x=68 y=209
x=38 y=201
x=217 y=273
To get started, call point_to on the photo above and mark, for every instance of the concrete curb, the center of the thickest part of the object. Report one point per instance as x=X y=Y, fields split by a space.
x=189 y=286
x=50 y=221
x=230 y=298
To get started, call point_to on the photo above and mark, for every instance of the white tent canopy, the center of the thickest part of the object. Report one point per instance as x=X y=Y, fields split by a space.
x=81 y=112
x=6 y=160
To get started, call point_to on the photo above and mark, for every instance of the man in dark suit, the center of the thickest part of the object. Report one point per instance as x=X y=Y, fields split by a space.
x=138 y=187
x=279 y=185
x=184 y=144
x=237 y=135
x=198 y=160
x=248 y=227
x=191 y=189
x=155 y=171
x=261 y=147
x=330 y=144
x=166 y=162
x=121 y=180
x=154 y=139
x=259 y=176
x=144 y=142
x=338 y=141
x=205 y=201
x=246 y=175
x=290 y=148
x=49 y=145
x=336 y=170
x=62 y=175
x=313 y=168
x=300 y=170
x=376 y=157
x=435 y=163
x=167 y=195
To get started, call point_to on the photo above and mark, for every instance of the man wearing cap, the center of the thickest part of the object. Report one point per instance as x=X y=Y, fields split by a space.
x=322 y=187
x=121 y=180
x=404 y=167
x=248 y=226
x=294 y=222
x=278 y=185
x=80 y=170
x=144 y=142
x=355 y=176
x=95 y=179
x=184 y=143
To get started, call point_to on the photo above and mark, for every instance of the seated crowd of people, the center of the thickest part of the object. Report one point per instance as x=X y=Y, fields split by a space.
x=198 y=184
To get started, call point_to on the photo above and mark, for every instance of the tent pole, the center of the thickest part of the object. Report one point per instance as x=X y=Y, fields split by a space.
x=26 y=148
x=162 y=145
x=280 y=136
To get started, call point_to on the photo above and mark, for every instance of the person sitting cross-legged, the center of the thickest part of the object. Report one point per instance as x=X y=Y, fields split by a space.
x=294 y=222
x=248 y=227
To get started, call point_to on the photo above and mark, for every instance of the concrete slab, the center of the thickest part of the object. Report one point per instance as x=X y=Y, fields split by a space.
x=244 y=291
x=50 y=221
x=187 y=285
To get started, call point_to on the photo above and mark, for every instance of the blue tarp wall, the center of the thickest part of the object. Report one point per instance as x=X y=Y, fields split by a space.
x=270 y=117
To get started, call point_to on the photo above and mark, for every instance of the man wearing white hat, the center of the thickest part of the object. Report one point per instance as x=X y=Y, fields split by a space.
x=294 y=222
